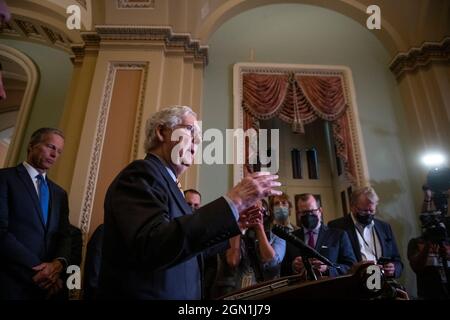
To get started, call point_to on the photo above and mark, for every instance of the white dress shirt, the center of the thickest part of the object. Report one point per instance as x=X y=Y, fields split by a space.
x=33 y=175
x=369 y=244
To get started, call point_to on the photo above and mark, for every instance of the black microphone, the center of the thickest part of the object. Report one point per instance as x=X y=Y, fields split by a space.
x=304 y=248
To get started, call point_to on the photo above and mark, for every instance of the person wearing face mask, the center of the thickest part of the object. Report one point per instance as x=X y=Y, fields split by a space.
x=334 y=244
x=371 y=238
x=281 y=210
x=251 y=258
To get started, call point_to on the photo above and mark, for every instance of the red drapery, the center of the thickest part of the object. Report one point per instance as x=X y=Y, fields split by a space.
x=300 y=99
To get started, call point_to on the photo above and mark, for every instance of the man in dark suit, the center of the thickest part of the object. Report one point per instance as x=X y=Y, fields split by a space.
x=152 y=241
x=34 y=225
x=193 y=198
x=331 y=243
x=372 y=239
x=92 y=264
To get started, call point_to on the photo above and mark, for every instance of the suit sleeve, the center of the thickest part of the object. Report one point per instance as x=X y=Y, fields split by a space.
x=217 y=249
x=63 y=240
x=346 y=257
x=11 y=250
x=395 y=254
x=138 y=206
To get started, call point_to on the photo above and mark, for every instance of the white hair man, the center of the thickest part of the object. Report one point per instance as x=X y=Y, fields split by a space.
x=371 y=238
x=152 y=241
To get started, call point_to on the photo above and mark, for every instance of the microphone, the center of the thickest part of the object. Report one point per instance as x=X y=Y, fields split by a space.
x=304 y=248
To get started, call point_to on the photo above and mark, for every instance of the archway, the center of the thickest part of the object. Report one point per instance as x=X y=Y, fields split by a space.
x=32 y=79
x=388 y=35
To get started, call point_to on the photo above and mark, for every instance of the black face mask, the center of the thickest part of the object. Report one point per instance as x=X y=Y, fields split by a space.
x=309 y=221
x=364 y=219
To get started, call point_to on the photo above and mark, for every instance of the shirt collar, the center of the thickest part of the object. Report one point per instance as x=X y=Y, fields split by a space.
x=32 y=171
x=169 y=170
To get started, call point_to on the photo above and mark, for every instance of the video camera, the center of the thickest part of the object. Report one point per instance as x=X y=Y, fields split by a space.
x=435 y=223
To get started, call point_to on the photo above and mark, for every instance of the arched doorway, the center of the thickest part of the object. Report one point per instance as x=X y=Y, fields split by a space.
x=20 y=78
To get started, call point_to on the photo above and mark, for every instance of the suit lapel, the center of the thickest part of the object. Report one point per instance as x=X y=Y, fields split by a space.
x=176 y=193
x=350 y=226
x=51 y=207
x=321 y=236
x=29 y=186
x=382 y=237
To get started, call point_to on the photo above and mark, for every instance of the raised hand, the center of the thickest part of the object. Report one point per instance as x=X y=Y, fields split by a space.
x=253 y=187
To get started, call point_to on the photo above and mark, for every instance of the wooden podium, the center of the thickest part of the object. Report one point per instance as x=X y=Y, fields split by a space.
x=351 y=286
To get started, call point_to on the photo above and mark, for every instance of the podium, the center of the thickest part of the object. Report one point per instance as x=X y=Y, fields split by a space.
x=351 y=286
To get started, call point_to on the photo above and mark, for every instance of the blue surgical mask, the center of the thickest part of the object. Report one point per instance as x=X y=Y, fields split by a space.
x=281 y=213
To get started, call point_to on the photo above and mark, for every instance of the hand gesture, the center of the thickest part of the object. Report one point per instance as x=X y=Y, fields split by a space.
x=389 y=269
x=253 y=187
x=318 y=265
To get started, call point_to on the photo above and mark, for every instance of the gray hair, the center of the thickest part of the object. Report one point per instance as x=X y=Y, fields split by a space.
x=38 y=135
x=168 y=117
x=368 y=192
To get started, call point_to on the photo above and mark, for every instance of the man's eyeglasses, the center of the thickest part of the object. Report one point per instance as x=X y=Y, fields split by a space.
x=312 y=211
x=189 y=127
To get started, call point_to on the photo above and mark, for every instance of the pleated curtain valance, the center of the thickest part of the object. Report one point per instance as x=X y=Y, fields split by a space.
x=300 y=99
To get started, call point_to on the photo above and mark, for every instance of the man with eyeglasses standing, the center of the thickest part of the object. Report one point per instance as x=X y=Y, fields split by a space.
x=334 y=244
x=152 y=240
x=371 y=238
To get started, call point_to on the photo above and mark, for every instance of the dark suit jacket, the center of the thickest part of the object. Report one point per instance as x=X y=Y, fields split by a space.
x=384 y=233
x=24 y=239
x=92 y=264
x=331 y=243
x=152 y=242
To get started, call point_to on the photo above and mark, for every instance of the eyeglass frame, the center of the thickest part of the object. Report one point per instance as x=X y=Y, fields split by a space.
x=308 y=211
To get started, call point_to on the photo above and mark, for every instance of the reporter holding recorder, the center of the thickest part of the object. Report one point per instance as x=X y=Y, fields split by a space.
x=371 y=238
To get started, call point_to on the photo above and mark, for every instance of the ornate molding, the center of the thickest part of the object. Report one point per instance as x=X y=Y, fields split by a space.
x=91 y=43
x=78 y=53
x=140 y=109
x=100 y=130
x=419 y=57
x=172 y=41
x=135 y=4
x=36 y=31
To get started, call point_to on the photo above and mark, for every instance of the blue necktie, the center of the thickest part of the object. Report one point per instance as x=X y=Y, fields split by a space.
x=43 y=196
